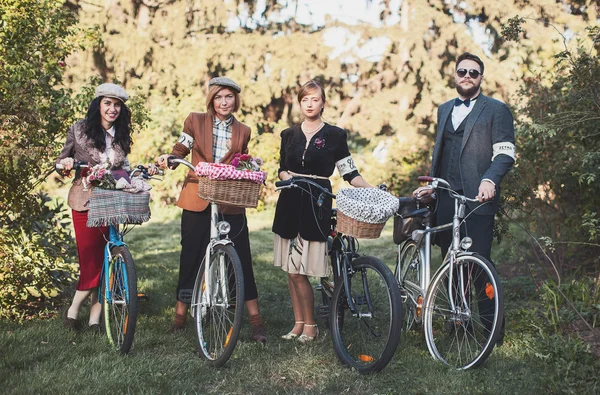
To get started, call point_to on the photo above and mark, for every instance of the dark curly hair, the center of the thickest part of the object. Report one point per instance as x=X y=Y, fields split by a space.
x=122 y=124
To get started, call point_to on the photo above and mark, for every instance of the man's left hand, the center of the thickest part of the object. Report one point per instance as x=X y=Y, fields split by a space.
x=487 y=191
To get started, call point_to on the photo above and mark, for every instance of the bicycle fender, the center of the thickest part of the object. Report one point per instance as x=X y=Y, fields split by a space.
x=446 y=261
x=223 y=242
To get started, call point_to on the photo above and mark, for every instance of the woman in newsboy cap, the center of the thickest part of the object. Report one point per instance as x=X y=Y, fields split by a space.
x=213 y=136
x=103 y=136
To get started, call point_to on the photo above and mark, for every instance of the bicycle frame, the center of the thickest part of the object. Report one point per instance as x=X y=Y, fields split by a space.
x=215 y=240
x=423 y=239
x=115 y=239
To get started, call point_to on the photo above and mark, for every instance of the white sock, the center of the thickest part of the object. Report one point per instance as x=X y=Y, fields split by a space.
x=78 y=300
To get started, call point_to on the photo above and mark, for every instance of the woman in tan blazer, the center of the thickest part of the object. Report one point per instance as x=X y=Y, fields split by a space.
x=214 y=136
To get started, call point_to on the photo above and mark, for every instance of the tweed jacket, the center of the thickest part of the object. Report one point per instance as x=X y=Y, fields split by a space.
x=79 y=147
x=487 y=150
x=199 y=127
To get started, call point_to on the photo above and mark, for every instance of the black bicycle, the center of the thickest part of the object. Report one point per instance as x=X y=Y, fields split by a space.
x=363 y=300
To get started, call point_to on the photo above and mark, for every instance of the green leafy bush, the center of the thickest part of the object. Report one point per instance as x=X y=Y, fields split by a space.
x=35 y=261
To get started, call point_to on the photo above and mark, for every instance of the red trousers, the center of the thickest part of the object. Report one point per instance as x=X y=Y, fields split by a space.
x=90 y=248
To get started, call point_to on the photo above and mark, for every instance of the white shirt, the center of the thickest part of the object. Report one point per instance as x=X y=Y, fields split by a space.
x=108 y=153
x=459 y=113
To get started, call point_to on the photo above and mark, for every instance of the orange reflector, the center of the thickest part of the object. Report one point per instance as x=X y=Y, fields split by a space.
x=489 y=291
x=419 y=305
x=365 y=358
x=228 y=337
x=125 y=324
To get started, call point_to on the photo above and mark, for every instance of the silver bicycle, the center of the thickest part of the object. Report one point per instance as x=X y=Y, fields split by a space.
x=218 y=296
x=461 y=308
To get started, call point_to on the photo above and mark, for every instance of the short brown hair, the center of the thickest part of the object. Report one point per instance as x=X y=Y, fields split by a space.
x=212 y=92
x=309 y=87
x=469 y=56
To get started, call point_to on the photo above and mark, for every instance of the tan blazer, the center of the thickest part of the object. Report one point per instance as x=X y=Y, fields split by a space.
x=82 y=149
x=200 y=127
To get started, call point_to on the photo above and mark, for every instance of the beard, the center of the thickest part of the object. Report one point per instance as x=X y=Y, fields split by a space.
x=467 y=92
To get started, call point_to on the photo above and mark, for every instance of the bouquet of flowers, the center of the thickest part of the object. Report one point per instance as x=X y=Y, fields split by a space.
x=246 y=162
x=98 y=176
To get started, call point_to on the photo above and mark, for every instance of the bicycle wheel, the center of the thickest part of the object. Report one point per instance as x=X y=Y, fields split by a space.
x=463 y=337
x=408 y=275
x=218 y=316
x=367 y=340
x=119 y=299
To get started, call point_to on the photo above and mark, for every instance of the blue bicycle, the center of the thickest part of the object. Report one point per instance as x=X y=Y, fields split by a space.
x=118 y=282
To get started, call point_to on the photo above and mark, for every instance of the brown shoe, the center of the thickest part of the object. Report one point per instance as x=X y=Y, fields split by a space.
x=178 y=324
x=259 y=334
x=70 y=323
x=258 y=330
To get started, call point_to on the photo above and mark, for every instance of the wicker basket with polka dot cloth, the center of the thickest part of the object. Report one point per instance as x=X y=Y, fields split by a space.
x=363 y=212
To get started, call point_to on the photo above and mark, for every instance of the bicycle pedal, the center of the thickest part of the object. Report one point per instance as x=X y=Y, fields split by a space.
x=323 y=311
x=142 y=296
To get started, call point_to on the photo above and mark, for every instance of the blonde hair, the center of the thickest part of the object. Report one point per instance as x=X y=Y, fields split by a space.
x=210 y=98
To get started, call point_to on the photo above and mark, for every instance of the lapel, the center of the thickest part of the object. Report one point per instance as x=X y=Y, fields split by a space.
x=477 y=110
x=207 y=142
x=446 y=111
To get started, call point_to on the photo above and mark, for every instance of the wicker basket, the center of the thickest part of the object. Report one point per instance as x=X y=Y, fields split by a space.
x=239 y=193
x=358 y=229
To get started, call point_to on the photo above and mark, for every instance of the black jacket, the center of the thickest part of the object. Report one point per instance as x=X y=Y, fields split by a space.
x=296 y=211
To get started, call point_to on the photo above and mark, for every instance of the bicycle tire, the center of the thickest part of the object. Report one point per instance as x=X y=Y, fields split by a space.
x=408 y=275
x=218 y=325
x=367 y=343
x=465 y=337
x=119 y=299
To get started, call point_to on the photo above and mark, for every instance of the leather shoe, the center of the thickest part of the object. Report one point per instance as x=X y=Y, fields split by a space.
x=70 y=323
x=95 y=328
x=259 y=334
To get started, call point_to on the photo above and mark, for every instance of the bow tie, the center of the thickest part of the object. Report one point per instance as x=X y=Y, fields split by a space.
x=466 y=102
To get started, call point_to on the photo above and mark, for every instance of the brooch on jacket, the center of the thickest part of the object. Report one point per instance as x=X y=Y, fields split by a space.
x=319 y=142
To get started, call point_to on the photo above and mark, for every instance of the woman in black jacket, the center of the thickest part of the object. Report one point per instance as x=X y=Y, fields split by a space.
x=312 y=148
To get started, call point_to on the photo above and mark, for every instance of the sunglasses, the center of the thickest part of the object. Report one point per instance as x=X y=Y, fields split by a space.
x=472 y=73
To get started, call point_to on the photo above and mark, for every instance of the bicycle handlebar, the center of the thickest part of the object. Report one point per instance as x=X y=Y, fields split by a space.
x=76 y=165
x=172 y=160
x=292 y=183
x=434 y=181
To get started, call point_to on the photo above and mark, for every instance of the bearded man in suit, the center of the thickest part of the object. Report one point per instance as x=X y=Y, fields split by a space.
x=474 y=149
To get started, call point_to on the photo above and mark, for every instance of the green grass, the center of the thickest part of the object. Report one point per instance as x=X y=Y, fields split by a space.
x=41 y=357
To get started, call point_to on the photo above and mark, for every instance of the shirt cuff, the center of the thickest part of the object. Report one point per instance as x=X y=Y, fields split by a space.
x=487 y=179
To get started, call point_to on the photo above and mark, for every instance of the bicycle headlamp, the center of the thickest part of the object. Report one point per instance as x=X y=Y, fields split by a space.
x=466 y=243
x=223 y=228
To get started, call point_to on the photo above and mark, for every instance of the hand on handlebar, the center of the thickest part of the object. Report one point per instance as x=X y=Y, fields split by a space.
x=487 y=191
x=424 y=194
x=162 y=161
x=67 y=164
x=153 y=170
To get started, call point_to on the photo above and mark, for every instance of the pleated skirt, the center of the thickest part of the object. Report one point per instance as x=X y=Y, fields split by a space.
x=298 y=256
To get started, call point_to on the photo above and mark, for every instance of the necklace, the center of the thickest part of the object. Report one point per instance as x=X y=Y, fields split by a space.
x=312 y=131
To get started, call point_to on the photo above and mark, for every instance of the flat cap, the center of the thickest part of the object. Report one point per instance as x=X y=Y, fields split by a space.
x=224 y=81
x=112 y=90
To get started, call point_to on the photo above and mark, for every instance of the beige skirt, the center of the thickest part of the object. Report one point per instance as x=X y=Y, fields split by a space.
x=298 y=256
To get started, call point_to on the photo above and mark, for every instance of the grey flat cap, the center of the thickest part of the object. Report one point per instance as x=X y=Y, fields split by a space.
x=224 y=81
x=112 y=90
